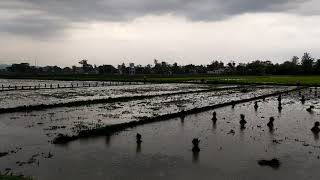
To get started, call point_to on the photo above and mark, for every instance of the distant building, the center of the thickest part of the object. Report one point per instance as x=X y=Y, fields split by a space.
x=217 y=71
x=4 y=66
x=22 y=67
x=132 y=69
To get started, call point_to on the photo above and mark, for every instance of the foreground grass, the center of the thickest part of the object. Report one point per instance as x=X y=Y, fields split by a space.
x=11 y=177
x=276 y=80
x=280 y=80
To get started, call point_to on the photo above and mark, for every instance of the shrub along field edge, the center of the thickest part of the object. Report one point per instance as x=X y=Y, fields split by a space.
x=218 y=79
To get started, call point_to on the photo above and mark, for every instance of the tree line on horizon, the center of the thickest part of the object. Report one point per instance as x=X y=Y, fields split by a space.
x=306 y=65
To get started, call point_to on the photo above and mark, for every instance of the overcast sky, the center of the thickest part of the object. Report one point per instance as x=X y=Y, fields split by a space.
x=62 y=32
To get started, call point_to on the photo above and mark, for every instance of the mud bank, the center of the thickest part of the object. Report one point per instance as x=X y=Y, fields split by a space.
x=63 y=86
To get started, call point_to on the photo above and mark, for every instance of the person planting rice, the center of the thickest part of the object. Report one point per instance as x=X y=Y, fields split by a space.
x=315 y=129
x=214 y=117
x=243 y=122
x=270 y=123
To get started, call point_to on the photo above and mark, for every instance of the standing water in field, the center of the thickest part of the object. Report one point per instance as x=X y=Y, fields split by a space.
x=186 y=147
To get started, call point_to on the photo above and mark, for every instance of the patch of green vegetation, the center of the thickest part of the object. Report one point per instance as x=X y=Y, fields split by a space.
x=217 y=79
x=272 y=80
x=283 y=80
x=12 y=177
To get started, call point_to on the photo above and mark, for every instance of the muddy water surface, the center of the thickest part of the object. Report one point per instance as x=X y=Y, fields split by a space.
x=227 y=152
x=166 y=148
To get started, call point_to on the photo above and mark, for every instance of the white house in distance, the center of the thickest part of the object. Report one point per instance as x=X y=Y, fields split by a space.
x=131 y=70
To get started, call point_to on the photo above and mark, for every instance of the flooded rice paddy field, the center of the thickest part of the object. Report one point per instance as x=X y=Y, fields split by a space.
x=227 y=152
x=70 y=120
x=9 y=99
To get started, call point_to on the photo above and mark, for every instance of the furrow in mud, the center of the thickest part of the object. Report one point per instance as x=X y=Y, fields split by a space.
x=111 y=129
x=28 y=108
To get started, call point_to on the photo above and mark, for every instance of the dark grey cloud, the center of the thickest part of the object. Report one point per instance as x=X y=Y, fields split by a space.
x=51 y=17
x=35 y=26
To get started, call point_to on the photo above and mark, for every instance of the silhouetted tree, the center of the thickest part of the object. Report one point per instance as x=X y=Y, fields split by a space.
x=295 y=60
x=316 y=68
x=107 y=69
x=175 y=68
x=307 y=63
x=215 y=65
